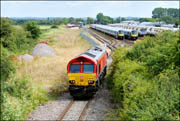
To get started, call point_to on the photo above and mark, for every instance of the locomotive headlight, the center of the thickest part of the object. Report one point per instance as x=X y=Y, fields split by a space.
x=91 y=82
x=71 y=81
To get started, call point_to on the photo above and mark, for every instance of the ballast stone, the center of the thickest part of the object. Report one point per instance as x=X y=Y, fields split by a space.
x=43 y=50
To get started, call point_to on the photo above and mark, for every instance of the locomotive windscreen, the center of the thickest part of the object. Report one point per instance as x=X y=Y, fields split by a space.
x=121 y=32
x=75 y=68
x=88 y=68
x=134 y=32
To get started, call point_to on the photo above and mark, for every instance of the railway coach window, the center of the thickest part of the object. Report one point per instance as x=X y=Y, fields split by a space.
x=75 y=68
x=88 y=68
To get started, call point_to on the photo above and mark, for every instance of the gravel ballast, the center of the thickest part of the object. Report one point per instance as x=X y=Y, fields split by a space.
x=51 y=110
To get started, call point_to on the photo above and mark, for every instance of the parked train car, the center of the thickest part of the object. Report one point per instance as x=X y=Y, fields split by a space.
x=86 y=72
x=114 y=31
x=130 y=34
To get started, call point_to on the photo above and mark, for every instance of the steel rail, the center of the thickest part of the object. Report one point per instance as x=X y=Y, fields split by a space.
x=65 y=110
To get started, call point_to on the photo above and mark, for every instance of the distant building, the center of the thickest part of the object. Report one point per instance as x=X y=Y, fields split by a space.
x=130 y=22
x=74 y=24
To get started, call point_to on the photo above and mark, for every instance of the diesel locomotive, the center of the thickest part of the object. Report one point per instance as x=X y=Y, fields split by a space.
x=86 y=72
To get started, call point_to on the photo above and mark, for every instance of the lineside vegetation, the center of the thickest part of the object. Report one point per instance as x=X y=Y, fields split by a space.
x=18 y=95
x=25 y=85
x=145 y=79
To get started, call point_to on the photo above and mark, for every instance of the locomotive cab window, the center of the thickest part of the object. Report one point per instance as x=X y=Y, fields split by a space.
x=134 y=32
x=121 y=32
x=75 y=68
x=88 y=68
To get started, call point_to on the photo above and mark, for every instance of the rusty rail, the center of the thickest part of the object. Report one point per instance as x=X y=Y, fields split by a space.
x=84 y=111
x=65 y=110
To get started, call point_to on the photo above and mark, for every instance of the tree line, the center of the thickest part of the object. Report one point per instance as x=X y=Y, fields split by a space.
x=165 y=15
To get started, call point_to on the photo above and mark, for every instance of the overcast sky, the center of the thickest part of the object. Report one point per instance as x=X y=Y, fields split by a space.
x=82 y=8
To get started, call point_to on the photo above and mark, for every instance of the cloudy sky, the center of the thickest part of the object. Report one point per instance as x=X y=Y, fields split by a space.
x=82 y=8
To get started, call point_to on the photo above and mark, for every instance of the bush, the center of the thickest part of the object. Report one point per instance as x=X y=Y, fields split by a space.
x=19 y=98
x=15 y=38
x=33 y=28
x=145 y=79
x=158 y=53
x=6 y=66
x=54 y=26
x=6 y=27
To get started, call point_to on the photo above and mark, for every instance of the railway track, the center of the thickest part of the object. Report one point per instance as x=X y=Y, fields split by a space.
x=110 y=43
x=80 y=107
x=112 y=39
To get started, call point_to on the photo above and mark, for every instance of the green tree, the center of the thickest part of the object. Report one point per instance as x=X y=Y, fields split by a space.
x=158 y=12
x=6 y=28
x=118 y=20
x=167 y=19
x=173 y=12
x=71 y=19
x=177 y=22
x=33 y=28
x=65 y=21
x=107 y=20
x=79 y=20
x=123 y=19
x=90 y=20
x=99 y=18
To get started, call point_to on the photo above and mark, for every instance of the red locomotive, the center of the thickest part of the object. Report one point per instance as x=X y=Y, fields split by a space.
x=86 y=72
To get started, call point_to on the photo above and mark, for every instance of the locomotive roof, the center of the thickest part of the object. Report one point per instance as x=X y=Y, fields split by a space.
x=95 y=52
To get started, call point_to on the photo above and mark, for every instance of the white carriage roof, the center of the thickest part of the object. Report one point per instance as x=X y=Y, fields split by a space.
x=95 y=52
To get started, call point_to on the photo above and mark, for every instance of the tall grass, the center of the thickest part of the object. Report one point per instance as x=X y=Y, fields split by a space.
x=47 y=71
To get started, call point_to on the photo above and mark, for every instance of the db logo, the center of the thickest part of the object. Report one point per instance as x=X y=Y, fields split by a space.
x=81 y=77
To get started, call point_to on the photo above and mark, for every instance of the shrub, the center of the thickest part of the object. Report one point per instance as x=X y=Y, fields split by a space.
x=19 y=98
x=6 y=66
x=54 y=26
x=145 y=79
x=6 y=27
x=33 y=28
x=15 y=38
